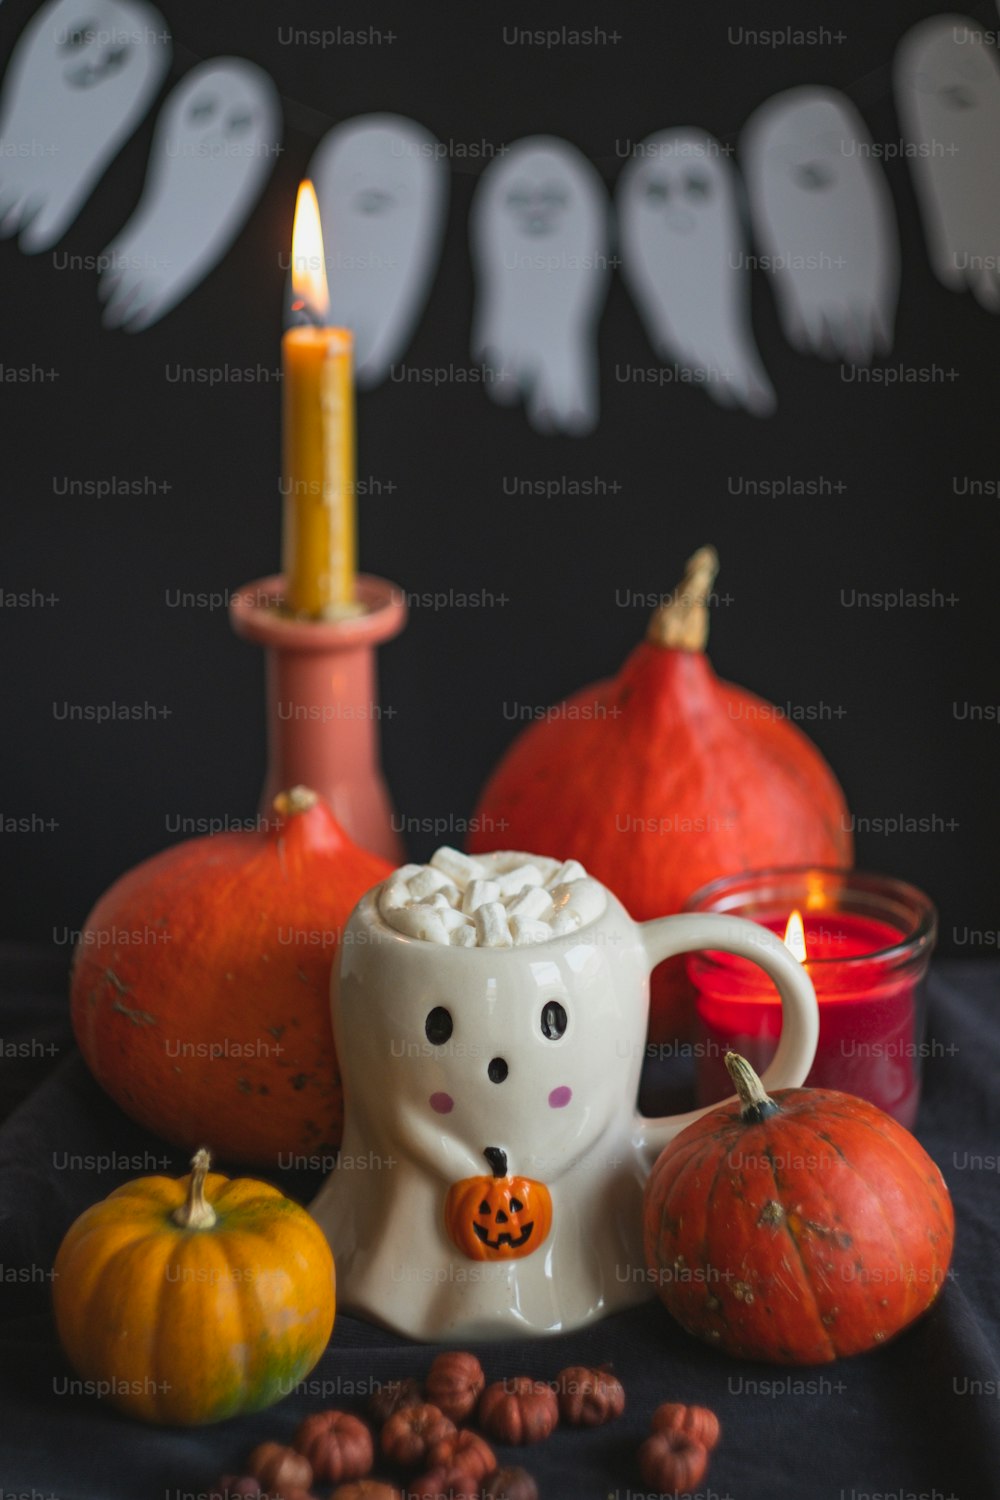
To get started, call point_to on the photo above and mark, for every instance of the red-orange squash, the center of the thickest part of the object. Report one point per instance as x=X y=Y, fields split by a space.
x=201 y=986
x=664 y=778
x=797 y=1228
x=187 y=1300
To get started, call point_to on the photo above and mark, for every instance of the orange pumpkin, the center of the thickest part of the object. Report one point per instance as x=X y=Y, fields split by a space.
x=201 y=985
x=498 y=1217
x=187 y=1300
x=663 y=778
x=807 y=1227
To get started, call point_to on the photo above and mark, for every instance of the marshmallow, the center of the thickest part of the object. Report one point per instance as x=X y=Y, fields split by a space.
x=491 y=925
x=478 y=892
x=439 y=901
x=393 y=894
x=512 y=882
x=459 y=867
x=495 y=902
x=453 y=919
x=570 y=869
x=427 y=881
x=526 y=930
x=508 y=859
x=585 y=897
x=533 y=902
x=420 y=922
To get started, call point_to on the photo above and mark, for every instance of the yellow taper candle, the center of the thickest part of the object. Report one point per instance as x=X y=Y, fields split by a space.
x=319 y=546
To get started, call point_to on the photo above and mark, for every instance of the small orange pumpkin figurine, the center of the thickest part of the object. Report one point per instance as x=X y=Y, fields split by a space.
x=498 y=1217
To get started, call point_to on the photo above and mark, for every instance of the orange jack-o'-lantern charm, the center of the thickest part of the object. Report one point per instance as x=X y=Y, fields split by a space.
x=498 y=1217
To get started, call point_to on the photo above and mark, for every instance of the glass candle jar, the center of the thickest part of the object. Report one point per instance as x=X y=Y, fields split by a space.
x=868 y=942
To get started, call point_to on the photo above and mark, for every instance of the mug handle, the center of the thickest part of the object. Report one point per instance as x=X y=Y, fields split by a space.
x=665 y=937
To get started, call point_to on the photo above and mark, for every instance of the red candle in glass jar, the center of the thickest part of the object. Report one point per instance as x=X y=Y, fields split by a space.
x=867 y=942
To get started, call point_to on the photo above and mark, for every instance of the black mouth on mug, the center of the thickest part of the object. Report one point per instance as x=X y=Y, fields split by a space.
x=513 y=1241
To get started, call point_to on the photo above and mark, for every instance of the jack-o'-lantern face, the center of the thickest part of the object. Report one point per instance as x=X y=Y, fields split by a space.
x=498 y=1217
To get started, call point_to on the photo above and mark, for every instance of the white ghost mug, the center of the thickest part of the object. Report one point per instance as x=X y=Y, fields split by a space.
x=493 y=1161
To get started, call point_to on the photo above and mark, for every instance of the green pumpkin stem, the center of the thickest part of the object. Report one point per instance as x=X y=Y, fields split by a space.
x=196 y=1212
x=681 y=622
x=756 y=1103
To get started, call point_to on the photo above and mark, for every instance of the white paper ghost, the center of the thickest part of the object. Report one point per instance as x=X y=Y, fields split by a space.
x=80 y=79
x=539 y=235
x=382 y=186
x=948 y=96
x=824 y=223
x=684 y=260
x=215 y=144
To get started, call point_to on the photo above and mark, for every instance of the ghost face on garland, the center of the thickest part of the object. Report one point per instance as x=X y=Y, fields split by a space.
x=382 y=188
x=81 y=77
x=539 y=236
x=948 y=96
x=824 y=220
x=684 y=259
x=216 y=142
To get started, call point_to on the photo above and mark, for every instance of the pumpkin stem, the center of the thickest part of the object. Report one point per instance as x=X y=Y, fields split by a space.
x=300 y=799
x=497 y=1160
x=757 y=1105
x=196 y=1212
x=681 y=622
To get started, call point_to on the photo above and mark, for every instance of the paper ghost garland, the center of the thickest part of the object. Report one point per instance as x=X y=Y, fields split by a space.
x=215 y=144
x=382 y=188
x=684 y=260
x=948 y=96
x=82 y=76
x=79 y=81
x=824 y=219
x=539 y=235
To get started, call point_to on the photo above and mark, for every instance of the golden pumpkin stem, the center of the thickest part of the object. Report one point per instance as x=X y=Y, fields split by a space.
x=681 y=622
x=196 y=1212
x=299 y=800
x=756 y=1103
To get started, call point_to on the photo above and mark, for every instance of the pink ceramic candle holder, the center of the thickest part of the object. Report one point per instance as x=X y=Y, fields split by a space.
x=322 y=708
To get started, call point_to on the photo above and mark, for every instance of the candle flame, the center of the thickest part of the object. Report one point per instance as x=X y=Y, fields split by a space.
x=795 y=937
x=311 y=295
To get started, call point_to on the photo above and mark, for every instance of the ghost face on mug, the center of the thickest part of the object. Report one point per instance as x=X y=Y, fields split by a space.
x=475 y=1049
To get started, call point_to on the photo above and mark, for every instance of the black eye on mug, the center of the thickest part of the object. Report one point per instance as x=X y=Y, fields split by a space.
x=554 y=1020
x=438 y=1026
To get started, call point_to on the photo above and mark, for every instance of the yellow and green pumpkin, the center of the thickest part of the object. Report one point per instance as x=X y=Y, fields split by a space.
x=188 y=1300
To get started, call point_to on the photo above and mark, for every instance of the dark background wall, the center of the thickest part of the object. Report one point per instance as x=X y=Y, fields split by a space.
x=887 y=458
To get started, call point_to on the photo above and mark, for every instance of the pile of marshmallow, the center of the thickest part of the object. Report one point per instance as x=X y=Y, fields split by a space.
x=502 y=901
